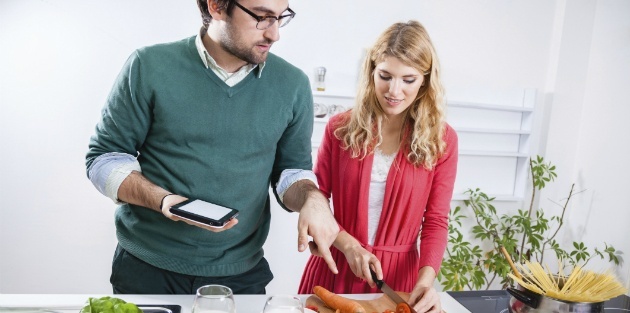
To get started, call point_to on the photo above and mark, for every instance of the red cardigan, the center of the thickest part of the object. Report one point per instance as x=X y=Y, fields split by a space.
x=415 y=200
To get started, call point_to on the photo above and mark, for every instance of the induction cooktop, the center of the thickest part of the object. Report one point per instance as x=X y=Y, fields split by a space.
x=497 y=301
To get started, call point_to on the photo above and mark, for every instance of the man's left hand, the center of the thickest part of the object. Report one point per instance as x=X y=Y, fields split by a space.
x=316 y=220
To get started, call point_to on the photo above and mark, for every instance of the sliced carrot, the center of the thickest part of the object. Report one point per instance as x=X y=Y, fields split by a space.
x=337 y=302
x=403 y=308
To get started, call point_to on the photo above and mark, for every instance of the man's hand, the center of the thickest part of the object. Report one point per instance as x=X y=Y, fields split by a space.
x=316 y=220
x=137 y=189
x=172 y=200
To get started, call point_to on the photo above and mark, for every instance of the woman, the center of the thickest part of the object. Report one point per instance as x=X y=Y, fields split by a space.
x=389 y=165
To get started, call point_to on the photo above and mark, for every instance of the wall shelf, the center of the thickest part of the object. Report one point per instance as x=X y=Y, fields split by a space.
x=333 y=94
x=496 y=142
x=508 y=154
x=483 y=106
x=491 y=131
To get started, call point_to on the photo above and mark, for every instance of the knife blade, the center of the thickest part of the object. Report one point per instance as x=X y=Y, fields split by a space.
x=388 y=291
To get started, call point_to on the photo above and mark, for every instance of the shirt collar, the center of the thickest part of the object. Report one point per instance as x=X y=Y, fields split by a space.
x=209 y=62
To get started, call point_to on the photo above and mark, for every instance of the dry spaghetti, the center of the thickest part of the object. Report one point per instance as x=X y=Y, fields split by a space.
x=579 y=286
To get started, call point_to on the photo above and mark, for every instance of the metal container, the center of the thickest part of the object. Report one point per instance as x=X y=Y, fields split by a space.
x=526 y=301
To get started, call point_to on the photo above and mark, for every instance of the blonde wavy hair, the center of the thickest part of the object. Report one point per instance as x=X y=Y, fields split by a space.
x=423 y=125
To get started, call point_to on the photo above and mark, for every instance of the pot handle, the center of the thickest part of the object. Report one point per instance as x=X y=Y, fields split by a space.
x=532 y=301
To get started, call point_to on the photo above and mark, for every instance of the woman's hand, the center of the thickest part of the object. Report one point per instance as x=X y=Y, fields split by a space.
x=424 y=298
x=359 y=259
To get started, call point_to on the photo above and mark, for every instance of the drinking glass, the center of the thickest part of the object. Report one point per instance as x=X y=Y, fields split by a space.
x=214 y=299
x=283 y=304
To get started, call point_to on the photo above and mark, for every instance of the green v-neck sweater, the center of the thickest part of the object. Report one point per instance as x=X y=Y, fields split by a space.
x=197 y=137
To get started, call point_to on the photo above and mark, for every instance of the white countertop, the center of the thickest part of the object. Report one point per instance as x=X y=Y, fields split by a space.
x=244 y=303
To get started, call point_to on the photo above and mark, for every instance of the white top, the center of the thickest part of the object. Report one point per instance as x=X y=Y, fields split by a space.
x=380 y=169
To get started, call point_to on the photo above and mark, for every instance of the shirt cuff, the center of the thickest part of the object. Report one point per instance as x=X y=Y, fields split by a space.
x=109 y=170
x=290 y=177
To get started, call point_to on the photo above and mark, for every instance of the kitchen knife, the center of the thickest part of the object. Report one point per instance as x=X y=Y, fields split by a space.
x=388 y=291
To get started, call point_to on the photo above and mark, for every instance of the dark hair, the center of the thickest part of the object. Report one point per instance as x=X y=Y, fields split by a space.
x=205 y=14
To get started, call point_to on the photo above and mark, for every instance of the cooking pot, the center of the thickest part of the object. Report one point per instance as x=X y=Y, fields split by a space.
x=525 y=301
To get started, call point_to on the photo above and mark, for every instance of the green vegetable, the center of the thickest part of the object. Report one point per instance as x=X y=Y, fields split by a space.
x=109 y=305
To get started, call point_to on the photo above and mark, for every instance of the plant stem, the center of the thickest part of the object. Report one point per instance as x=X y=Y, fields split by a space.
x=477 y=211
x=491 y=280
x=531 y=209
x=560 y=222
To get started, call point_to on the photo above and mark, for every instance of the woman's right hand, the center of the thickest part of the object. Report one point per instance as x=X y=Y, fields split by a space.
x=359 y=259
x=174 y=199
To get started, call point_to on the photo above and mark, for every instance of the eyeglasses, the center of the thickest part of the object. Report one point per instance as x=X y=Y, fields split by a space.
x=265 y=22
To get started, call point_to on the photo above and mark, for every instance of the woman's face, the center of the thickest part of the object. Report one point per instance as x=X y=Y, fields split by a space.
x=396 y=85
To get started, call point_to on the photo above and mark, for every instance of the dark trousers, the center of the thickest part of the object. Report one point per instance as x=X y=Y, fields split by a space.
x=131 y=275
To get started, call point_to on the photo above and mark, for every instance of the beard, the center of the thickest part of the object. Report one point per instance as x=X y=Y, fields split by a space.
x=232 y=42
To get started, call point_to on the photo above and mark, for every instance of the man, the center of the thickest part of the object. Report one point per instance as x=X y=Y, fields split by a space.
x=214 y=117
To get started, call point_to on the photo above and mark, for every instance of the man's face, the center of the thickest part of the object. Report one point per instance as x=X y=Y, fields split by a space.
x=241 y=37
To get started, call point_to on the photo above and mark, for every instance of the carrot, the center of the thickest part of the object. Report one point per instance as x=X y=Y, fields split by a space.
x=403 y=308
x=335 y=301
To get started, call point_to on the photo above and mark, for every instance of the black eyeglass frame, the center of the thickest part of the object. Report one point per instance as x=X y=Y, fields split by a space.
x=262 y=18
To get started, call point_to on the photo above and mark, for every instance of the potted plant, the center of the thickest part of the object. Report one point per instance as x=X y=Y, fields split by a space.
x=526 y=235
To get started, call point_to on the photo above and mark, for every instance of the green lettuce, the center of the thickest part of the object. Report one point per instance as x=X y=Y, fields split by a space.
x=109 y=305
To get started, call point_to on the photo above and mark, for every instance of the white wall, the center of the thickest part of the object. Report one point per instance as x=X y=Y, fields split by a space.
x=59 y=59
x=589 y=125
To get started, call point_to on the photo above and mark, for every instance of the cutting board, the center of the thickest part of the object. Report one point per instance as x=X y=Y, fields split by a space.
x=378 y=305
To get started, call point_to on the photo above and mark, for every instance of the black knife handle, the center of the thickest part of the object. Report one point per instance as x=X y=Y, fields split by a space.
x=379 y=283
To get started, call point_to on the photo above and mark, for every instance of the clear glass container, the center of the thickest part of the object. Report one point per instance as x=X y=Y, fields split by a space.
x=320 y=82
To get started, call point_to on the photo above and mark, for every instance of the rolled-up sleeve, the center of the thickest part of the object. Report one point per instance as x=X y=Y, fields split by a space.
x=109 y=170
